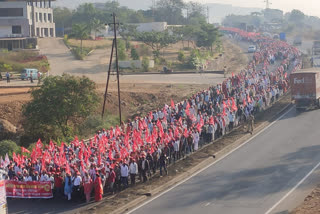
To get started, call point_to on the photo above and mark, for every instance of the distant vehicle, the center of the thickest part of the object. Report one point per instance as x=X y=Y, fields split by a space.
x=282 y=36
x=315 y=61
x=252 y=49
x=28 y=72
x=305 y=88
x=297 y=40
x=316 y=48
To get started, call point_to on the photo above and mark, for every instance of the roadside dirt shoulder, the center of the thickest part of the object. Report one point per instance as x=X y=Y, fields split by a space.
x=311 y=204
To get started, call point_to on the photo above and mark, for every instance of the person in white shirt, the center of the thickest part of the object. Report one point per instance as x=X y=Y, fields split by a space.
x=124 y=172
x=76 y=185
x=44 y=176
x=133 y=170
x=176 y=146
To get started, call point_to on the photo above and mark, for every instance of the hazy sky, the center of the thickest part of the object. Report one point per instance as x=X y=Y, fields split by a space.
x=309 y=7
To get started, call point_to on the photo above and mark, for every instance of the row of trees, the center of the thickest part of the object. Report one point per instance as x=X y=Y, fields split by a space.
x=289 y=21
x=174 y=12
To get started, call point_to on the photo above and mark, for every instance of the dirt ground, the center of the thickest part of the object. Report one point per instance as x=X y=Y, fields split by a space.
x=137 y=99
x=311 y=204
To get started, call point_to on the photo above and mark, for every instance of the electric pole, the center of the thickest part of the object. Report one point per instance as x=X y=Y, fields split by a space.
x=267 y=4
x=114 y=46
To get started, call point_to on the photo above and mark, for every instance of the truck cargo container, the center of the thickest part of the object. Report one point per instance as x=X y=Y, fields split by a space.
x=305 y=88
x=282 y=36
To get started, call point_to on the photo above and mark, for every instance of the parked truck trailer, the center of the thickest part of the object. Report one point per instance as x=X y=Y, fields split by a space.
x=305 y=88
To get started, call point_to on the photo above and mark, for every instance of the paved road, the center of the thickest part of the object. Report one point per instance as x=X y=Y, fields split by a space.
x=253 y=178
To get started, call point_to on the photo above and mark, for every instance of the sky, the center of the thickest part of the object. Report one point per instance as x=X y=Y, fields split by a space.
x=309 y=7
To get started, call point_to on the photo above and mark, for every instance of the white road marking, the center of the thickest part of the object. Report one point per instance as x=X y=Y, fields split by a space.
x=207 y=204
x=213 y=163
x=293 y=189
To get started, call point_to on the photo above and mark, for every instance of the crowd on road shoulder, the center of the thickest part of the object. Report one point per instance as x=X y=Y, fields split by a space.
x=134 y=151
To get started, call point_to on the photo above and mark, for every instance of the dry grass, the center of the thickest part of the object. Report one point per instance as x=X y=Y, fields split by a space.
x=105 y=43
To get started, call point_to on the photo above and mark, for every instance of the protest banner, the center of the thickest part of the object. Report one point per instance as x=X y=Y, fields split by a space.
x=30 y=189
x=3 y=199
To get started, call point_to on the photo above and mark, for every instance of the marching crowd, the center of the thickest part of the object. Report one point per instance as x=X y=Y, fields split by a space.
x=136 y=150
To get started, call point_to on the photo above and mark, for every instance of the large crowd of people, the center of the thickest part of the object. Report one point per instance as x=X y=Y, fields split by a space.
x=120 y=156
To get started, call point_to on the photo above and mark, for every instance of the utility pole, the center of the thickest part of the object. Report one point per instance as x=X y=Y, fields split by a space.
x=114 y=46
x=208 y=16
x=267 y=4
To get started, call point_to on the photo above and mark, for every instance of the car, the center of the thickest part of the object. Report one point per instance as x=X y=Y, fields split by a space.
x=252 y=49
x=297 y=40
x=28 y=72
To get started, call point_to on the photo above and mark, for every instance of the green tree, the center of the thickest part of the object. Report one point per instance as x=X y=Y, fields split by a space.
x=296 y=16
x=196 y=13
x=170 y=11
x=80 y=31
x=85 y=13
x=59 y=105
x=156 y=40
x=62 y=17
x=207 y=36
x=121 y=50
x=96 y=25
x=8 y=147
x=134 y=54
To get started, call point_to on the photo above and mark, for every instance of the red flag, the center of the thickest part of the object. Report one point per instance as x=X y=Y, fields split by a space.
x=201 y=121
x=68 y=168
x=150 y=115
x=185 y=134
x=249 y=99
x=14 y=157
x=110 y=155
x=244 y=102
x=172 y=104
x=187 y=109
x=211 y=121
x=24 y=150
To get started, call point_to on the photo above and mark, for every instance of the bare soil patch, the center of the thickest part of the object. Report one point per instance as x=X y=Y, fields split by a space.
x=311 y=204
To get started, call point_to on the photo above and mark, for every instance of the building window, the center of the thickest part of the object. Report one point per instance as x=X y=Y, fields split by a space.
x=40 y=17
x=11 y=12
x=49 y=17
x=45 y=17
x=16 y=29
x=37 y=19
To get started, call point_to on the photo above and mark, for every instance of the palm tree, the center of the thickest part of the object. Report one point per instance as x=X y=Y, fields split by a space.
x=80 y=31
x=96 y=25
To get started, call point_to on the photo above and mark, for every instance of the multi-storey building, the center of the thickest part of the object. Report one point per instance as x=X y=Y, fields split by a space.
x=23 y=19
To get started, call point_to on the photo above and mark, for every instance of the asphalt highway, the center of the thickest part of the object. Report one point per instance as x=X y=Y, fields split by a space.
x=256 y=177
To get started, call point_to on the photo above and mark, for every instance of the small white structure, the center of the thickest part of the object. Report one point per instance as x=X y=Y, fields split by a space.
x=151 y=26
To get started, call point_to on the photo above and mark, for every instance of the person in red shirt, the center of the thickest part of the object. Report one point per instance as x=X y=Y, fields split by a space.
x=58 y=184
x=111 y=179
x=98 y=190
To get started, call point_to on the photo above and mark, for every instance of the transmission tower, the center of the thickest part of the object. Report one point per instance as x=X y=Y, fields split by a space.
x=268 y=3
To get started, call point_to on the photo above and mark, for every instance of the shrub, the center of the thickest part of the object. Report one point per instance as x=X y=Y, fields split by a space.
x=134 y=54
x=145 y=64
x=8 y=146
x=181 y=56
x=121 y=50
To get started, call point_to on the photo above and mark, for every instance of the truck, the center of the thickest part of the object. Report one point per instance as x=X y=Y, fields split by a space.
x=297 y=40
x=282 y=36
x=305 y=88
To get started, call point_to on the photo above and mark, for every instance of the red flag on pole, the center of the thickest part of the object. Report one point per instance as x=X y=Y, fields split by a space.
x=172 y=104
x=24 y=150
